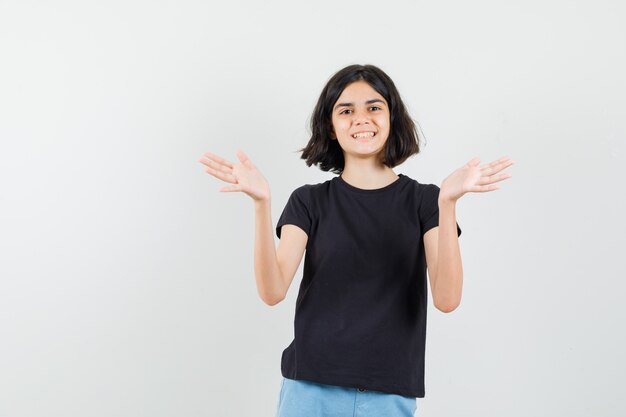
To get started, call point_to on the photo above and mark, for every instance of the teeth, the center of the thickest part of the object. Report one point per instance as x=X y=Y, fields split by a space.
x=363 y=135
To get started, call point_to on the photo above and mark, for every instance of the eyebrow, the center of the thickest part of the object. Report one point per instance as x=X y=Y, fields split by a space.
x=374 y=100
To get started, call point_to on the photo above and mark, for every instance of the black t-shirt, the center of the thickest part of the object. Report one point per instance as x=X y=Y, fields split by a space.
x=360 y=314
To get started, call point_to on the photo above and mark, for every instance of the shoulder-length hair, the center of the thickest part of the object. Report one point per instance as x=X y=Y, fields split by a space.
x=403 y=140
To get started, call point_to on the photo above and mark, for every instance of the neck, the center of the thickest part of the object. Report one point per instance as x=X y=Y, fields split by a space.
x=368 y=176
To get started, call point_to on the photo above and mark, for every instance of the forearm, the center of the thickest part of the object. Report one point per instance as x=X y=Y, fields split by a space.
x=269 y=281
x=449 y=278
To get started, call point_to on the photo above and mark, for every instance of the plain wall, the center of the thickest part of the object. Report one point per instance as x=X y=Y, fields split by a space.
x=126 y=279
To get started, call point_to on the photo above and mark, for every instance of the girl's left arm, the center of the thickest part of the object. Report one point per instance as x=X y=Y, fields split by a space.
x=442 y=243
x=447 y=282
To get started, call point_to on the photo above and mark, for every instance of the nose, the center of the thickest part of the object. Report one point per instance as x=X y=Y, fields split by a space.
x=360 y=117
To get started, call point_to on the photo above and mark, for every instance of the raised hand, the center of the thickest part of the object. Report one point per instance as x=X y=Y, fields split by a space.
x=244 y=176
x=472 y=178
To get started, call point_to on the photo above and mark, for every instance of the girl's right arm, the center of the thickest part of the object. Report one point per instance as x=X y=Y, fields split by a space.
x=274 y=269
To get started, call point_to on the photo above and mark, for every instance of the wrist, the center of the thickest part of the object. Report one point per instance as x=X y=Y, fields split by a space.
x=446 y=201
x=262 y=204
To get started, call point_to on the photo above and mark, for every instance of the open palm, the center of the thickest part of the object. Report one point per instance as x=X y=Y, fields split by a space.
x=244 y=175
x=472 y=178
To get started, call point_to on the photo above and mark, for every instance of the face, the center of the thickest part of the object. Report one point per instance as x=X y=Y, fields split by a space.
x=360 y=108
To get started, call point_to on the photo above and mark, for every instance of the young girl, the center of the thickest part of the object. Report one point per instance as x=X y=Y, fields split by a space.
x=370 y=237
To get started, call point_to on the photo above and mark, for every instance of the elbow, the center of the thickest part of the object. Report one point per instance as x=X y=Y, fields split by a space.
x=449 y=300
x=272 y=300
x=447 y=308
x=268 y=294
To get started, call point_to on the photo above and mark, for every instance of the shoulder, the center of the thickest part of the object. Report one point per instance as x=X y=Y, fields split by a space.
x=430 y=190
x=307 y=190
x=308 y=194
x=423 y=188
x=426 y=195
x=426 y=189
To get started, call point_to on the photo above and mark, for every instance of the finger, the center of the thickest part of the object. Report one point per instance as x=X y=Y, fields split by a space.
x=493 y=163
x=474 y=161
x=496 y=166
x=230 y=189
x=221 y=175
x=214 y=165
x=494 y=178
x=484 y=188
x=216 y=158
x=244 y=158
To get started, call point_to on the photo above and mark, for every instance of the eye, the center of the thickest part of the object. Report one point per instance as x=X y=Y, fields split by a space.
x=373 y=107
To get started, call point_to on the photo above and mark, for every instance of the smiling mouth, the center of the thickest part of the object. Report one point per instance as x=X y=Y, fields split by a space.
x=364 y=136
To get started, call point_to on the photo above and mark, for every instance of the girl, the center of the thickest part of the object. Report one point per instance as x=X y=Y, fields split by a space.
x=370 y=237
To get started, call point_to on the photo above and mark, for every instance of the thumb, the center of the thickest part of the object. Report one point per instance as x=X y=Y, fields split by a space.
x=244 y=158
x=474 y=161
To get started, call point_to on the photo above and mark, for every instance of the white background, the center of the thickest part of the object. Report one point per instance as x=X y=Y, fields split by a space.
x=126 y=279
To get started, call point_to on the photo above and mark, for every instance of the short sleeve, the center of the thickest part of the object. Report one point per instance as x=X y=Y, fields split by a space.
x=429 y=209
x=296 y=211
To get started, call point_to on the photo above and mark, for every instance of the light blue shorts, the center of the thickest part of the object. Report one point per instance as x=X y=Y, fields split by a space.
x=300 y=398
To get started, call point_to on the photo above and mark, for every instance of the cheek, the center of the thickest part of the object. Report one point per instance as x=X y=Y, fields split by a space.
x=341 y=125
